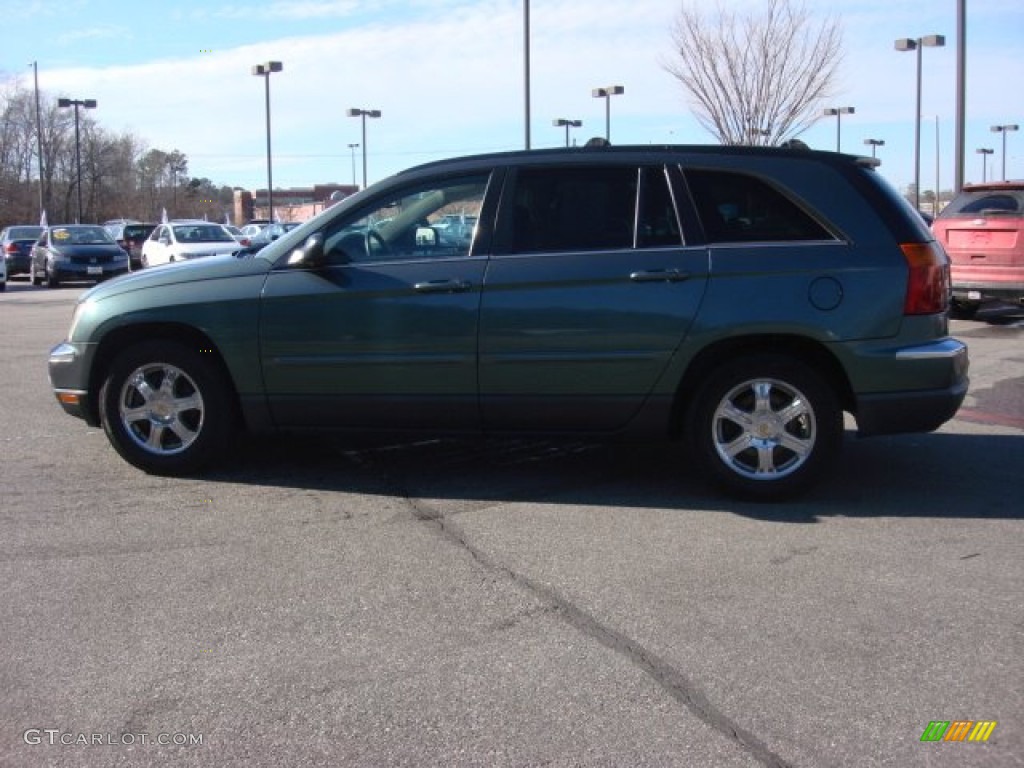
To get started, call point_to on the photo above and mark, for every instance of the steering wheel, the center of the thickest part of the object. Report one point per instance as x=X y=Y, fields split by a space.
x=375 y=243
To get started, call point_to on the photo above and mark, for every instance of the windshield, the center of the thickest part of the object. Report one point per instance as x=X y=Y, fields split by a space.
x=24 y=233
x=201 y=233
x=81 y=236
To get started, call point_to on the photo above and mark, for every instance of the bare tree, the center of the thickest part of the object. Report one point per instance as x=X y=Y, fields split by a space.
x=759 y=78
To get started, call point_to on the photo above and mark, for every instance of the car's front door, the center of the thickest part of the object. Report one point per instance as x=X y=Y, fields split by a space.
x=384 y=335
x=589 y=292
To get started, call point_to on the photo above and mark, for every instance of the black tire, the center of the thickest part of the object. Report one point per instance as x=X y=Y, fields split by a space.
x=764 y=427
x=166 y=408
x=963 y=310
x=52 y=281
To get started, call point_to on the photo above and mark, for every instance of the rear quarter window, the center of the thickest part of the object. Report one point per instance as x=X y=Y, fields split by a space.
x=739 y=208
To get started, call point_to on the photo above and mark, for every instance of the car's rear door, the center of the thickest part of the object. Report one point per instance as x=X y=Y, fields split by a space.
x=589 y=291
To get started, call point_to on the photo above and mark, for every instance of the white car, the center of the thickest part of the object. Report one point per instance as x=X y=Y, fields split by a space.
x=184 y=240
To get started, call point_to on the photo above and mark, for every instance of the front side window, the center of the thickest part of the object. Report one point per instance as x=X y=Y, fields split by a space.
x=737 y=208
x=424 y=221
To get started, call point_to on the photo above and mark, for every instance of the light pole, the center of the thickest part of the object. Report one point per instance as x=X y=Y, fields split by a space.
x=875 y=143
x=85 y=104
x=39 y=140
x=264 y=71
x=606 y=94
x=353 y=148
x=1004 y=129
x=526 y=68
x=839 y=112
x=561 y=121
x=916 y=44
x=363 y=113
x=984 y=152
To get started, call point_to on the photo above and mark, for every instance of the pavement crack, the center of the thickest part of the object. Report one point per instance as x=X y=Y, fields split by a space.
x=677 y=685
x=671 y=680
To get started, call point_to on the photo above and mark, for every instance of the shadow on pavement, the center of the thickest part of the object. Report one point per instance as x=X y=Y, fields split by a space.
x=934 y=475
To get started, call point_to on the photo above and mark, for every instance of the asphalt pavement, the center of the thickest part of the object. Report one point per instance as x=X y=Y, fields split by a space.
x=320 y=602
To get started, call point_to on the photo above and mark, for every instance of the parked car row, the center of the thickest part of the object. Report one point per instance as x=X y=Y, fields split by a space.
x=74 y=252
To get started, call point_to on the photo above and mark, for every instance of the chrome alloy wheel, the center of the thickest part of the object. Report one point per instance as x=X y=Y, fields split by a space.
x=161 y=409
x=764 y=429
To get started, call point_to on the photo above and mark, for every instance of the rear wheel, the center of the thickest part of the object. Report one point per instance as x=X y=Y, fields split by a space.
x=52 y=281
x=166 y=408
x=764 y=427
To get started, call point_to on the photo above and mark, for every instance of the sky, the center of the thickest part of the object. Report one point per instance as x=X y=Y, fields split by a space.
x=448 y=78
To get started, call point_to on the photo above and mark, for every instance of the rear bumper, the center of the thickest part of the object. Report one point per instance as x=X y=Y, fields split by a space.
x=923 y=410
x=978 y=290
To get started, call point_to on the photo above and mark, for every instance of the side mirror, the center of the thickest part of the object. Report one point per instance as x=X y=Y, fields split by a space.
x=310 y=253
x=426 y=237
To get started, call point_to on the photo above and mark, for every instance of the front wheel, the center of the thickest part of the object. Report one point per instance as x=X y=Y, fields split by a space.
x=166 y=408
x=764 y=427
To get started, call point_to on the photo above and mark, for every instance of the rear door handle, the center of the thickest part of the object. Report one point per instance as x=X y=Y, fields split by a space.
x=442 y=286
x=659 y=276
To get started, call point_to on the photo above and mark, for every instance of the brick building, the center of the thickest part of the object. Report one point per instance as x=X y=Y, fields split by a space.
x=293 y=204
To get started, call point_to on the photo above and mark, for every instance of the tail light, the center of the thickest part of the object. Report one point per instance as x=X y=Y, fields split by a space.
x=928 y=284
x=11 y=248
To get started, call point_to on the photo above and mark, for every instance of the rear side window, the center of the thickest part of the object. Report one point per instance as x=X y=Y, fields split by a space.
x=737 y=208
x=986 y=202
x=589 y=208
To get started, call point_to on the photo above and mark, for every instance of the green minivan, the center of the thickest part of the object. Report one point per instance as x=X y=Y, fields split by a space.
x=739 y=299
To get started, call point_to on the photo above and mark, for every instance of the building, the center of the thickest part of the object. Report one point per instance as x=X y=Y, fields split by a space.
x=293 y=204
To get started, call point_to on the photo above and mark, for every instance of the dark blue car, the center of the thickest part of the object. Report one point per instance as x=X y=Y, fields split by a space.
x=16 y=242
x=76 y=252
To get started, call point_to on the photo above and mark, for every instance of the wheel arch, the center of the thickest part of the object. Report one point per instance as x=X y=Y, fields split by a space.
x=807 y=351
x=121 y=338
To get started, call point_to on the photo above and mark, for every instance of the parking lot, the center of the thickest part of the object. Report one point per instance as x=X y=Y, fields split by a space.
x=510 y=603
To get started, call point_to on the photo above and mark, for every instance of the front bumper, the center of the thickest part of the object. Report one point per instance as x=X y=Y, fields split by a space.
x=65 y=271
x=67 y=366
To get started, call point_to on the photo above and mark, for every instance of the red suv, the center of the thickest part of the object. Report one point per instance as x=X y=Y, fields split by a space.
x=982 y=230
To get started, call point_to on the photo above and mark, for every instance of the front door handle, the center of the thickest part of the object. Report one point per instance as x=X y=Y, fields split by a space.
x=442 y=286
x=659 y=276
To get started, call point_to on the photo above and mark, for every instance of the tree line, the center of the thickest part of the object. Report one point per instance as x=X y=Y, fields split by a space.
x=121 y=176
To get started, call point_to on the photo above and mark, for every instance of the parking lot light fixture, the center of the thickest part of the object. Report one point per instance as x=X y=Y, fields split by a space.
x=606 y=94
x=917 y=44
x=839 y=112
x=352 y=149
x=984 y=152
x=874 y=143
x=363 y=113
x=561 y=121
x=265 y=70
x=1004 y=129
x=84 y=104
